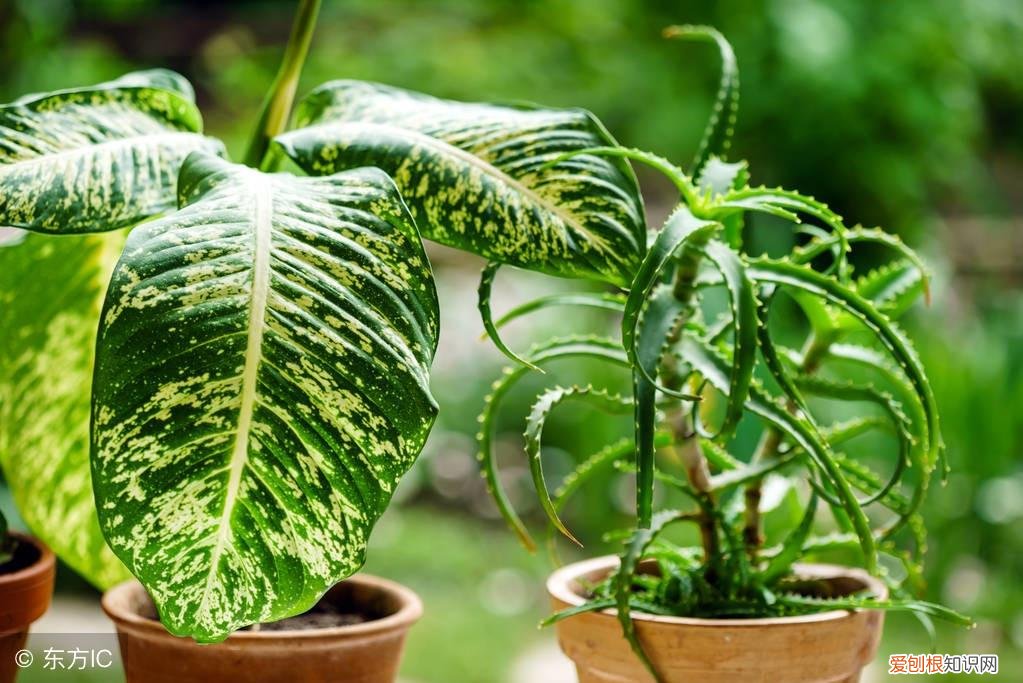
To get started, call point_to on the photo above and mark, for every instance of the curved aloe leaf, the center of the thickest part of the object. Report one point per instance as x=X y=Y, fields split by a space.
x=683 y=236
x=538 y=415
x=261 y=386
x=483 y=304
x=559 y=347
x=743 y=310
x=634 y=550
x=718 y=135
x=800 y=430
x=477 y=176
x=888 y=334
x=97 y=158
x=48 y=335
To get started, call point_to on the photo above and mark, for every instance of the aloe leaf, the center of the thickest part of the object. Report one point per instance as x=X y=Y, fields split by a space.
x=606 y=302
x=888 y=334
x=893 y=288
x=538 y=414
x=809 y=251
x=97 y=158
x=718 y=135
x=719 y=176
x=483 y=304
x=51 y=291
x=261 y=385
x=636 y=546
x=658 y=319
x=683 y=235
x=715 y=369
x=792 y=548
x=848 y=391
x=743 y=309
x=607 y=350
x=854 y=602
x=477 y=176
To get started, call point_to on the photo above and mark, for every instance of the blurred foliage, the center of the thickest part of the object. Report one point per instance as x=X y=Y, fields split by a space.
x=882 y=107
x=895 y=113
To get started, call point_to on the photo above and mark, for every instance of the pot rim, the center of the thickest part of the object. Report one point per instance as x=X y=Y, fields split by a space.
x=115 y=603
x=560 y=582
x=39 y=571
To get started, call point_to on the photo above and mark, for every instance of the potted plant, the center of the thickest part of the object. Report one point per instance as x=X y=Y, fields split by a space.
x=706 y=360
x=27 y=569
x=260 y=375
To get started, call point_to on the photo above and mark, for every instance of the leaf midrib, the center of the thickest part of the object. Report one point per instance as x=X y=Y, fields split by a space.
x=262 y=220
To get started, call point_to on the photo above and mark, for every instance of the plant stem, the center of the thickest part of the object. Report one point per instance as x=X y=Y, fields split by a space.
x=276 y=108
x=813 y=352
x=681 y=425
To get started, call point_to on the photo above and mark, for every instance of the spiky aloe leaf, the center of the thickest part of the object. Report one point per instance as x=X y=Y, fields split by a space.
x=261 y=386
x=483 y=304
x=484 y=178
x=743 y=310
x=51 y=290
x=97 y=158
x=715 y=369
x=538 y=414
x=791 y=550
x=559 y=347
x=718 y=135
x=636 y=546
x=895 y=342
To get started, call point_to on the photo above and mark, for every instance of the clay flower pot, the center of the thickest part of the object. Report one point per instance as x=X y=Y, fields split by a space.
x=367 y=652
x=25 y=594
x=830 y=647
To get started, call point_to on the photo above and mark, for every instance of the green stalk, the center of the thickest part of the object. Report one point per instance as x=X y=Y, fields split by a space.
x=276 y=108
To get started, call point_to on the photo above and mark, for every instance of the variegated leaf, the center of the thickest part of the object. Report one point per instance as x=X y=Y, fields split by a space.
x=480 y=177
x=97 y=158
x=51 y=290
x=261 y=386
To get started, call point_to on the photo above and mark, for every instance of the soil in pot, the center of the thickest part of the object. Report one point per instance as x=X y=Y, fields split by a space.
x=828 y=647
x=26 y=588
x=355 y=634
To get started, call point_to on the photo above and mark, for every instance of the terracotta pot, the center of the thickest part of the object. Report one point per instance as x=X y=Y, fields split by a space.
x=24 y=597
x=362 y=653
x=830 y=647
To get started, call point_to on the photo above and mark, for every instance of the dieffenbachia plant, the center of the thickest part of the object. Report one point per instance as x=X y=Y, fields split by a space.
x=260 y=380
x=698 y=371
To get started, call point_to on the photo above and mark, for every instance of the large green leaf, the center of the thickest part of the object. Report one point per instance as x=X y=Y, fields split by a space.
x=485 y=178
x=97 y=158
x=51 y=290
x=261 y=386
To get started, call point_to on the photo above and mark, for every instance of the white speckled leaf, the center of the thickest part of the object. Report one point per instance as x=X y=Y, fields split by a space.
x=261 y=386
x=51 y=290
x=97 y=158
x=474 y=175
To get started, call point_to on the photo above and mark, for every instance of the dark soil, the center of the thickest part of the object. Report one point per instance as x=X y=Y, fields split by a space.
x=24 y=556
x=323 y=615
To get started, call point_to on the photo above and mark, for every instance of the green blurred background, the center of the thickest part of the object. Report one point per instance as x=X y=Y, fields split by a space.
x=903 y=114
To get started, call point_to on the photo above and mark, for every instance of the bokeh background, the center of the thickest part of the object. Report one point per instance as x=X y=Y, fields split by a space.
x=903 y=114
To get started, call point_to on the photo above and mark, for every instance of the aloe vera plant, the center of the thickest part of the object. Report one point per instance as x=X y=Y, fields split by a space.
x=698 y=372
x=240 y=381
